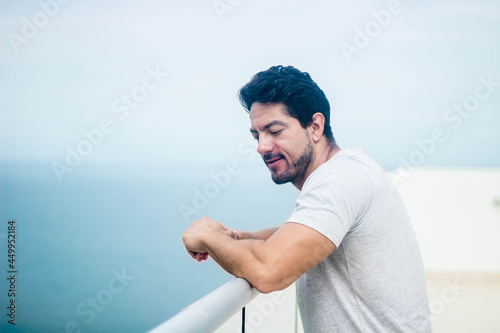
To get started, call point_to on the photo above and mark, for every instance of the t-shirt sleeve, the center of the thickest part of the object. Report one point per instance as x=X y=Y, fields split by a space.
x=333 y=199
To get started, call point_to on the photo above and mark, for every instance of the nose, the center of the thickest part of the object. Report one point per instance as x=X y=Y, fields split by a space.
x=264 y=146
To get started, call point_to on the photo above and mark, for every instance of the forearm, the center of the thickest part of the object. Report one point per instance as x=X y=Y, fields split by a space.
x=263 y=234
x=241 y=258
x=268 y=265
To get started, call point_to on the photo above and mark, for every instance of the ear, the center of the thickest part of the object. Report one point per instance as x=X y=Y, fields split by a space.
x=317 y=126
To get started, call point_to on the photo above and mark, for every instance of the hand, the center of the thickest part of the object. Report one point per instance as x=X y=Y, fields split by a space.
x=193 y=237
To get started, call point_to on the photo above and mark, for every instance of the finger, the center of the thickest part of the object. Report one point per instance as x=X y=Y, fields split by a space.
x=202 y=256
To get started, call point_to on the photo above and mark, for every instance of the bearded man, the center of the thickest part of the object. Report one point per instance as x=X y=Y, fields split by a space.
x=348 y=244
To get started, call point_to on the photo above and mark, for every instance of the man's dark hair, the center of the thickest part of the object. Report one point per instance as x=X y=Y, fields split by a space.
x=295 y=89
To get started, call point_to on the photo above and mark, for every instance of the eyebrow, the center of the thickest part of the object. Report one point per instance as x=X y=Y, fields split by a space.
x=272 y=123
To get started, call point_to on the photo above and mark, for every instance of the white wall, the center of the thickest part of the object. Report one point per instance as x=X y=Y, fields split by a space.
x=456 y=215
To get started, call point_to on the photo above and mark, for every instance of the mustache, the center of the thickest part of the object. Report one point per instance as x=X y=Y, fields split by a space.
x=270 y=156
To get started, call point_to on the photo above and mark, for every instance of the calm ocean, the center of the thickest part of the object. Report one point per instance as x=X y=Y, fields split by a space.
x=101 y=250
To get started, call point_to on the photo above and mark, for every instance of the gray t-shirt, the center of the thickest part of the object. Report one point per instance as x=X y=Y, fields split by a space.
x=374 y=281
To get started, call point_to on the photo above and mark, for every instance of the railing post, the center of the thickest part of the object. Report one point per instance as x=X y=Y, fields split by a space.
x=243 y=320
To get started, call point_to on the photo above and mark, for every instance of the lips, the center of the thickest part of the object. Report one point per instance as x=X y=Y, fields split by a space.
x=272 y=162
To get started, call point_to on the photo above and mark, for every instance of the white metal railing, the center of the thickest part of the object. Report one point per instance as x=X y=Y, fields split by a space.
x=211 y=311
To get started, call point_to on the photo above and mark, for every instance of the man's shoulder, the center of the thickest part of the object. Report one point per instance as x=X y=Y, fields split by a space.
x=348 y=162
x=348 y=167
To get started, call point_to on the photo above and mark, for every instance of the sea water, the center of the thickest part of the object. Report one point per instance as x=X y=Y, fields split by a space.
x=100 y=251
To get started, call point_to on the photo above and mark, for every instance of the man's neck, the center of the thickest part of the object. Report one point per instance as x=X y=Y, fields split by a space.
x=322 y=154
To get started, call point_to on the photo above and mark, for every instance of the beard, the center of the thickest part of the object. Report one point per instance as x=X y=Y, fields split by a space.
x=299 y=167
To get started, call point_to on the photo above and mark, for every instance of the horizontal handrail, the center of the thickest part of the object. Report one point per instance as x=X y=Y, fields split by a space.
x=211 y=311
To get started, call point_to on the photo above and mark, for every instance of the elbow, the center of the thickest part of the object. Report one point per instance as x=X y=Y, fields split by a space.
x=264 y=288
x=266 y=282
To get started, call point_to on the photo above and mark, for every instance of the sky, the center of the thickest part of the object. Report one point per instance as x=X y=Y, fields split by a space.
x=392 y=70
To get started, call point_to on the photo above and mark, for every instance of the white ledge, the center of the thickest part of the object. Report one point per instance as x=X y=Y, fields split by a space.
x=211 y=311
